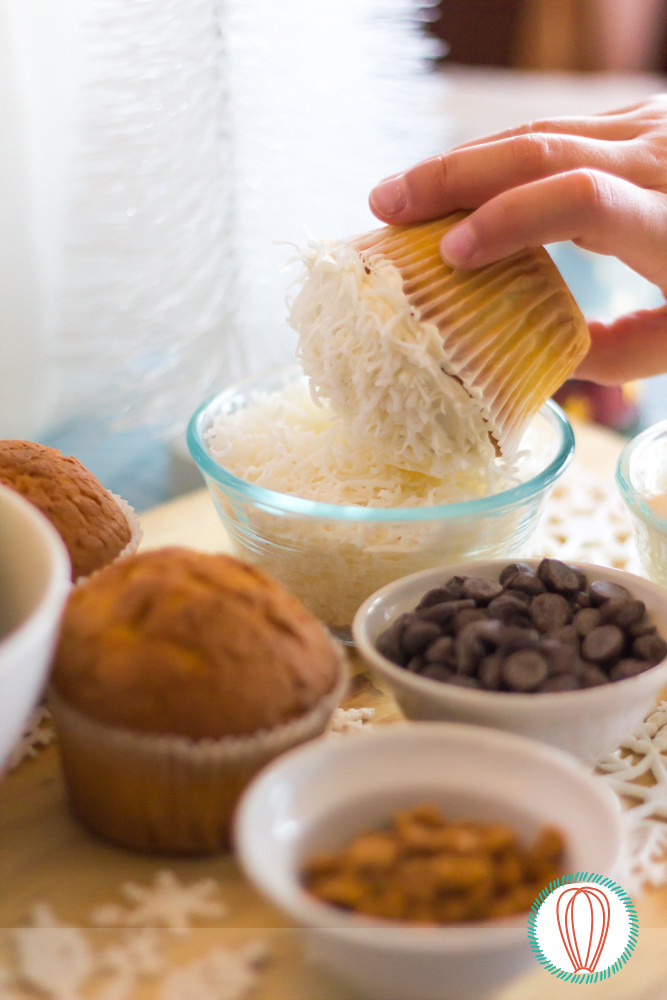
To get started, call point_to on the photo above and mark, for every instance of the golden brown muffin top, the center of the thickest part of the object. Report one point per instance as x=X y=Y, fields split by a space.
x=187 y=643
x=87 y=517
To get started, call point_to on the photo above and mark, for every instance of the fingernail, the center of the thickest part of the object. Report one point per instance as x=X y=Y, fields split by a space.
x=389 y=197
x=458 y=245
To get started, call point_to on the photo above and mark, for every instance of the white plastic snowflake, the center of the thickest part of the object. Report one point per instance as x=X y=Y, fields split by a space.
x=345 y=720
x=222 y=974
x=55 y=959
x=641 y=756
x=38 y=733
x=165 y=903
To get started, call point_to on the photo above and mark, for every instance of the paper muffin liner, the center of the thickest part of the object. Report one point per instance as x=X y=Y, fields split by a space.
x=511 y=331
x=170 y=794
x=136 y=534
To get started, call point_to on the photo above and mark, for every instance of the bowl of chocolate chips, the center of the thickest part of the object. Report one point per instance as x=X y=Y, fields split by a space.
x=571 y=654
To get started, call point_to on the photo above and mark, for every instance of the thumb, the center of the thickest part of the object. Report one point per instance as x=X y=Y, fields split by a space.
x=631 y=347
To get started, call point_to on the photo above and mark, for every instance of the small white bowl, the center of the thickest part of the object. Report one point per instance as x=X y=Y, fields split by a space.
x=35 y=579
x=587 y=723
x=318 y=797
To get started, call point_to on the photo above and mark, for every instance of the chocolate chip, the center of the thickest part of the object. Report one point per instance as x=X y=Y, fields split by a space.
x=524 y=670
x=437 y=671
x=566 y=634
x=560 y=577
x=603 y=643
x=550 y=611
x=416 y=664
x=650 y=647
x=454 y=586
x=514 y=637
x=509 y=609
x=469 y=653
x=521 y=595
x=438 y=595
x=622 y=612
x=490 y=672
x=604 y=590
x=417 y=635
x=467 y=616
x=444 y=614
x=510 y=571
x=592 y=676
x=441 y=649
x=627 y=668
x=481 y=590
x=388 y=643
x=586 y=620
x=562 y=658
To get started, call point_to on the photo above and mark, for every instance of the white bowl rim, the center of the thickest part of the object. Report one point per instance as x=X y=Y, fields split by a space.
x=494 y=934
x=58 y=584
x=495 y=503
x=473 y=696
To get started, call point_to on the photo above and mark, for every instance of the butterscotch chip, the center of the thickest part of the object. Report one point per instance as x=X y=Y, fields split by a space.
x=426 y=870
x=374 y=851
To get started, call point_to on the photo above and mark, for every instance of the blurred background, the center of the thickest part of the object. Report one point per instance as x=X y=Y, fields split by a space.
x=162 y=160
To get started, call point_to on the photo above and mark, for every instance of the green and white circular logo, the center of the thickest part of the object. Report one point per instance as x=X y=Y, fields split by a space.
x=583 y=927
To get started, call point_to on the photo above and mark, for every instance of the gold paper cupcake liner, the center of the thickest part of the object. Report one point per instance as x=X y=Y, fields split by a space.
x=511 y=331
x=170 y=794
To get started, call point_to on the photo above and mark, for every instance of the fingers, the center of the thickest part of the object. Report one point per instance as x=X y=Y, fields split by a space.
x=632 y=347
x=597 y=211
x=468 y=176
x=611 y=126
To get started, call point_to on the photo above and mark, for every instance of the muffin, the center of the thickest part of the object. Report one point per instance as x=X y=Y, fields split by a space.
x=427 y=361
x=178 y=674
x=96 y=526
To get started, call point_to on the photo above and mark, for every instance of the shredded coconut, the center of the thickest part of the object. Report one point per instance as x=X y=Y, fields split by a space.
x=285 y=442
x=381 y=367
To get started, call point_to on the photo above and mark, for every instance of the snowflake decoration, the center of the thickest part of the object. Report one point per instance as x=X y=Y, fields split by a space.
x=585 y=521
x=346 y=720
x=220 y=975
x=641 y=756
x=60 y=963
x=55 y=959
x=166 y=903
x=37 y=734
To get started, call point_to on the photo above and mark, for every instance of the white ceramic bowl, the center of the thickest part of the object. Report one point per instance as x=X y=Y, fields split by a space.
x=34 y=583
x=319 y=797
x=588 y=723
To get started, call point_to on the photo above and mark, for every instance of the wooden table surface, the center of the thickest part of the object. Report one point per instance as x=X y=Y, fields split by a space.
x=46 y=856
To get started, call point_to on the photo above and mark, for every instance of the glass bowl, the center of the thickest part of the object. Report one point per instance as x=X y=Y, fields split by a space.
x=641 y=477
x=333 y=556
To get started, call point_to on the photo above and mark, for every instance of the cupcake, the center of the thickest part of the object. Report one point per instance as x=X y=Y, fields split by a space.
x=427 y=361
x=177 y=676
x=96 y=526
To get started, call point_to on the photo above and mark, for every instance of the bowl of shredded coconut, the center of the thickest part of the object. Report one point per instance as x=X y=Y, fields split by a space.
x=334 y=518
